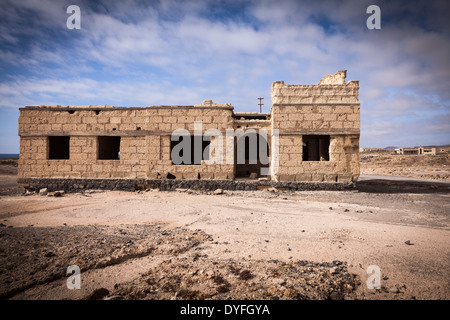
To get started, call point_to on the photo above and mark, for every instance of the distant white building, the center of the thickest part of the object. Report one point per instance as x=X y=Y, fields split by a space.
x=416 y=151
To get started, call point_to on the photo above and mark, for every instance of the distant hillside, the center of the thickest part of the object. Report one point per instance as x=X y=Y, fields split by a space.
x=9 y=155
x=444 y=146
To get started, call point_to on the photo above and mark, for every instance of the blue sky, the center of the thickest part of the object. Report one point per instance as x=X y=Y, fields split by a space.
x=141 y=53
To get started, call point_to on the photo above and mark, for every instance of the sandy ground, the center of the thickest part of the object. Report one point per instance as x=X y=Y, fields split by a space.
x=425 y=167
x=236 y=245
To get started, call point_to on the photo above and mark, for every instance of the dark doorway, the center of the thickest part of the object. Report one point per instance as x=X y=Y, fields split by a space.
x=249 y=164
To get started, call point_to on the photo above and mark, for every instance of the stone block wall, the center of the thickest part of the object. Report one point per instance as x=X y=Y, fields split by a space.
x=317 y=126
x=328 y=111
x=144 y=141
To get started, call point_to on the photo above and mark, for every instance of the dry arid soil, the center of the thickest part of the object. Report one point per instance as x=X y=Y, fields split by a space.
x=191 y=244
x=426 y=167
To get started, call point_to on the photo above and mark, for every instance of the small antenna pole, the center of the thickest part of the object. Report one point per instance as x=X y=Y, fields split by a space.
x=260 y=104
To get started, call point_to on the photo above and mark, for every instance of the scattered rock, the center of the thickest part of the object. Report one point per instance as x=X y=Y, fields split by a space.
x=337 y=263
x=279 y=282
x=59 y=193
x=178 y=277
x=253 y=175
x=408 y=242
x=41 y=254
x=336 y=296
x=218 y=191
x=291 y=294
x=245 y=275
x=334 y=270
x=98 y=294
x=302 y=263
x=43 y=192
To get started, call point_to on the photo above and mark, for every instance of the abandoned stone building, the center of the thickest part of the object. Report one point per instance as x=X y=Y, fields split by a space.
x=311 y=136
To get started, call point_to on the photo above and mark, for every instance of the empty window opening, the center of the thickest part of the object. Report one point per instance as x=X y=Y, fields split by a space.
x=58 y=147
x=108 y=148
x=316 y=148
x=170 y=176
x=183 y=150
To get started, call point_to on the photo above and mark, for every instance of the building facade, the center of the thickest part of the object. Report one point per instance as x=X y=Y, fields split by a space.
x=310 y=135
x=417 y=151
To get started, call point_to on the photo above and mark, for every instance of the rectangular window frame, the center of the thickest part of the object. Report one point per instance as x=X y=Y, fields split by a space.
x=111 y=142
x=316 y=148
x=58 y=148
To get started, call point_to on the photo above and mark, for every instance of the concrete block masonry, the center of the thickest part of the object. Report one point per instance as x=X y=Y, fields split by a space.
x=317 y=141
